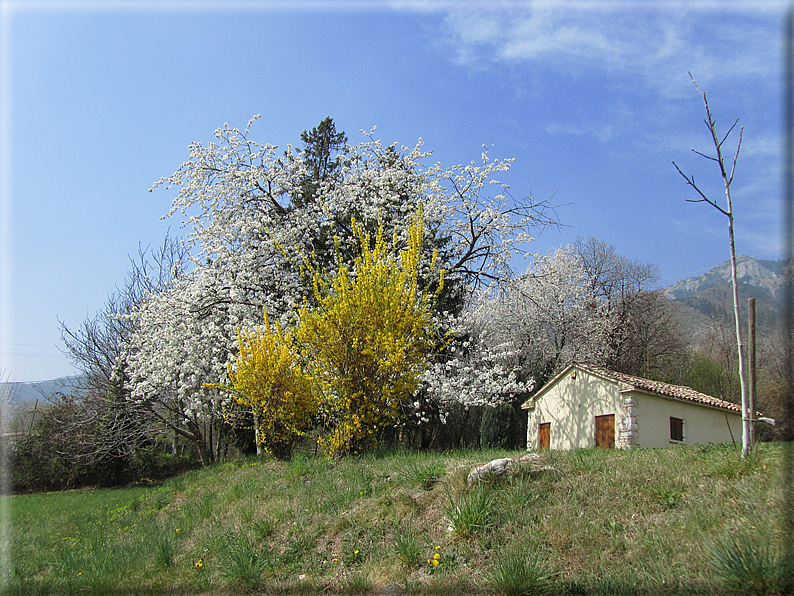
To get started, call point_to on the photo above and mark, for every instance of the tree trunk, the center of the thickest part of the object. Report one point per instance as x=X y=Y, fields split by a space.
x=259 y=449
x=204 y=454
x=739 y=338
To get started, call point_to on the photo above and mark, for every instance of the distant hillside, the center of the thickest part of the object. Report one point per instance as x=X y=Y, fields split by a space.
x=710 y=296
x=22 y=392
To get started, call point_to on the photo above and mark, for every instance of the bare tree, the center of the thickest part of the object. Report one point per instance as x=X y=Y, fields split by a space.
x=102 y=421
x=727 y=177
x=643 y=338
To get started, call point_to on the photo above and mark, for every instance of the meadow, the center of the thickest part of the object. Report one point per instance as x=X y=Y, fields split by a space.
x=683 y=520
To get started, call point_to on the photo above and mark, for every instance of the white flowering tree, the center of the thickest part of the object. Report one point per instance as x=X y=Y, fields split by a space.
x=520 y=333
x=473 y=370
x=176 y=349
x=552 y=315
x=251 y=225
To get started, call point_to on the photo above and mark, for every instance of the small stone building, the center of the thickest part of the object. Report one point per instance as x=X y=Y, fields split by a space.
x=588 y=406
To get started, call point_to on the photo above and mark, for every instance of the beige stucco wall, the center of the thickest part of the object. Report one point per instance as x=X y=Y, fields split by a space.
x=701 y=424
x=571 y=406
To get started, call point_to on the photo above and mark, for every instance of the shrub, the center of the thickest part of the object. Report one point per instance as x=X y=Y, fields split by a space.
x=157 y=464
x=268 y=380
x=369 y=339
x=498 y=427
x=67 y=448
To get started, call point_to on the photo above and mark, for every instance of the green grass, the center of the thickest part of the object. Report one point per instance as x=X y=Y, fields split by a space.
x=470 y=512
x=517 y=573
x=749 y=565
x=407 y=547
x=658 y=521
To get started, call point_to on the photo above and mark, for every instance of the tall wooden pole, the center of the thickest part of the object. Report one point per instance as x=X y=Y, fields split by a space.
x=751 y=363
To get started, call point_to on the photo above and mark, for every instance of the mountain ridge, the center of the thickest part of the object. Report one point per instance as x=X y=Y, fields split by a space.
x=769 y=275
x=704 y=298
x=24 y=391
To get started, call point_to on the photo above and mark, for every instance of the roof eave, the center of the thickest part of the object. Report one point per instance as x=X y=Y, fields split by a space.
x=682 y=400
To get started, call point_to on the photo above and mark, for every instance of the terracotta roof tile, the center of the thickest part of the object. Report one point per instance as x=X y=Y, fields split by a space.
x=674 y=391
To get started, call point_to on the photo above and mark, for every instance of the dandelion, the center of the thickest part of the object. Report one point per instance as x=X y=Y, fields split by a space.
x=430 y=561
x=335 y=559
x=355 y=552
x=177 y=530
x=436 y=557
x=200 y=563
x=79 y=573
x=435 y=562
x=438 y=548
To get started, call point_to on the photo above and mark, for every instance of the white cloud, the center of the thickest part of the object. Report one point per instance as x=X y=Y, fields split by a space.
x=654 y=47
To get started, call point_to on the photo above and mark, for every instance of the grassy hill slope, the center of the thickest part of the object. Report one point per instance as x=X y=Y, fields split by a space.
x=590 y=521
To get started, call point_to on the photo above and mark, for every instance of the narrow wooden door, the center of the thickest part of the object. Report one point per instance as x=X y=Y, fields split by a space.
x=605 y=431
x=544 y=435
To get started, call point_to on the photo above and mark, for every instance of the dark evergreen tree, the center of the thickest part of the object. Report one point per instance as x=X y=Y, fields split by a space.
x=320 y=146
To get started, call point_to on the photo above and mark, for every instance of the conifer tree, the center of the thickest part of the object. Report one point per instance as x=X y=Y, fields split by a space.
x=320 y=145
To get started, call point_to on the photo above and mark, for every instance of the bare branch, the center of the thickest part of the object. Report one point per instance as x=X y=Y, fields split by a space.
x=727 y=134
x=705 y=199
x=704 y=155
x=736 y=156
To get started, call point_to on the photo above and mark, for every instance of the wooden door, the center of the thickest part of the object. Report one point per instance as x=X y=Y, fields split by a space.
x=544 y=435
x=605 y=431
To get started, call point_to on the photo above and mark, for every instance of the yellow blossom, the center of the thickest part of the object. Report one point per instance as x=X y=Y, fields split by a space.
x=267 y=378
x=369 y=338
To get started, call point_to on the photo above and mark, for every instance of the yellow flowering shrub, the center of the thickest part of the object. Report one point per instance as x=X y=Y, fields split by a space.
x=270 y=381
x=368 y=339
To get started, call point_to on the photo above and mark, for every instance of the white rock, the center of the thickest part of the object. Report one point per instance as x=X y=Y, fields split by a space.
x=496 y=467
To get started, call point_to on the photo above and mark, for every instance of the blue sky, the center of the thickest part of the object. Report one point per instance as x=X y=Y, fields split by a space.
x=592 y=99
